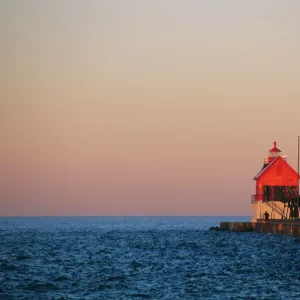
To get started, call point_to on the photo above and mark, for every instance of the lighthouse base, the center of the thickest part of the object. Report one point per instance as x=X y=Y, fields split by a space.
x=275 y=209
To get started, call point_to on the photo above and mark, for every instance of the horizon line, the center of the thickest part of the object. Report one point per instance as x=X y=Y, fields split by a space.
x=114 y=216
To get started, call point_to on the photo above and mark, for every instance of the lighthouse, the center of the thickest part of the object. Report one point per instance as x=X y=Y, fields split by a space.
x=276 y=186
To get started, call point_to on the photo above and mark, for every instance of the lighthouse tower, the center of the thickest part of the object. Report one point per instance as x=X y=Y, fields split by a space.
x=276 y=189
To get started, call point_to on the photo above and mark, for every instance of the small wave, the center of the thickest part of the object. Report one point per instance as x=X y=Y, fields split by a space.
x=198 y=275
x=135 y=264
x=190 y=245
x=23 y=256
x=75 y=284
x=5 y=297
x=7 y=266
x=116 y=278
x=37 y=286
x=102 y=287
x=140 y=295
x=62 y=278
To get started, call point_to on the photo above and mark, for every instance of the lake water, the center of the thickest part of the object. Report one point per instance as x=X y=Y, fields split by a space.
x=143 y=258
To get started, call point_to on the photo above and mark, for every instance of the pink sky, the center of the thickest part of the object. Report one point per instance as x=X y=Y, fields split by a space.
x=144 y=107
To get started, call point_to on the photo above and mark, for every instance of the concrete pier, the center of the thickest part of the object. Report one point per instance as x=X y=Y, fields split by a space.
x=286 y=227
x=236 y=226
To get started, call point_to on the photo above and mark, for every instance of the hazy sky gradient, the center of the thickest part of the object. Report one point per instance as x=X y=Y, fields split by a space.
x=144 y=107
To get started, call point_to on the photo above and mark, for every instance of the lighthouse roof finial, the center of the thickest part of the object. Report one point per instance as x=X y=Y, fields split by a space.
x=274 y=149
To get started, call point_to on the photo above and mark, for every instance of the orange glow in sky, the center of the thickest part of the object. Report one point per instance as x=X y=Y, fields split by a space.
x=144 y=107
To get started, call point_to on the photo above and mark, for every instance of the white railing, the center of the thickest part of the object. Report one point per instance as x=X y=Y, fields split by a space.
x=255 y=198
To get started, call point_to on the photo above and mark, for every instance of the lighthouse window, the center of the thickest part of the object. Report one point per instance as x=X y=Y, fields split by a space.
x=267 y=193
x=279 y=193
x=274 y=193
x=274 y=154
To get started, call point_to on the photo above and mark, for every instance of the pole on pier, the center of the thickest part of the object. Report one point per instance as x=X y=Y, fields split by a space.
x=298 y=175
x=298 y=161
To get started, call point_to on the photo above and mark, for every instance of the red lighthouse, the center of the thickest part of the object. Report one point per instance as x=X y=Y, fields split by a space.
x=276 y=188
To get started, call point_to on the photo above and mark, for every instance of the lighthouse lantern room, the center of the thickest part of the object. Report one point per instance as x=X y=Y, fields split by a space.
x=276 y=189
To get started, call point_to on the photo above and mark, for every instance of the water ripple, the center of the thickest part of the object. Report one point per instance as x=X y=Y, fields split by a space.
x=144 y=260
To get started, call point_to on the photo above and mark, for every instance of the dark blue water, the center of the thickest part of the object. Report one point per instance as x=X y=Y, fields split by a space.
x=143 y=258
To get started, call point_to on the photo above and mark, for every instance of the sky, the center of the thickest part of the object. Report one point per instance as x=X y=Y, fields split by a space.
x=144 y=107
